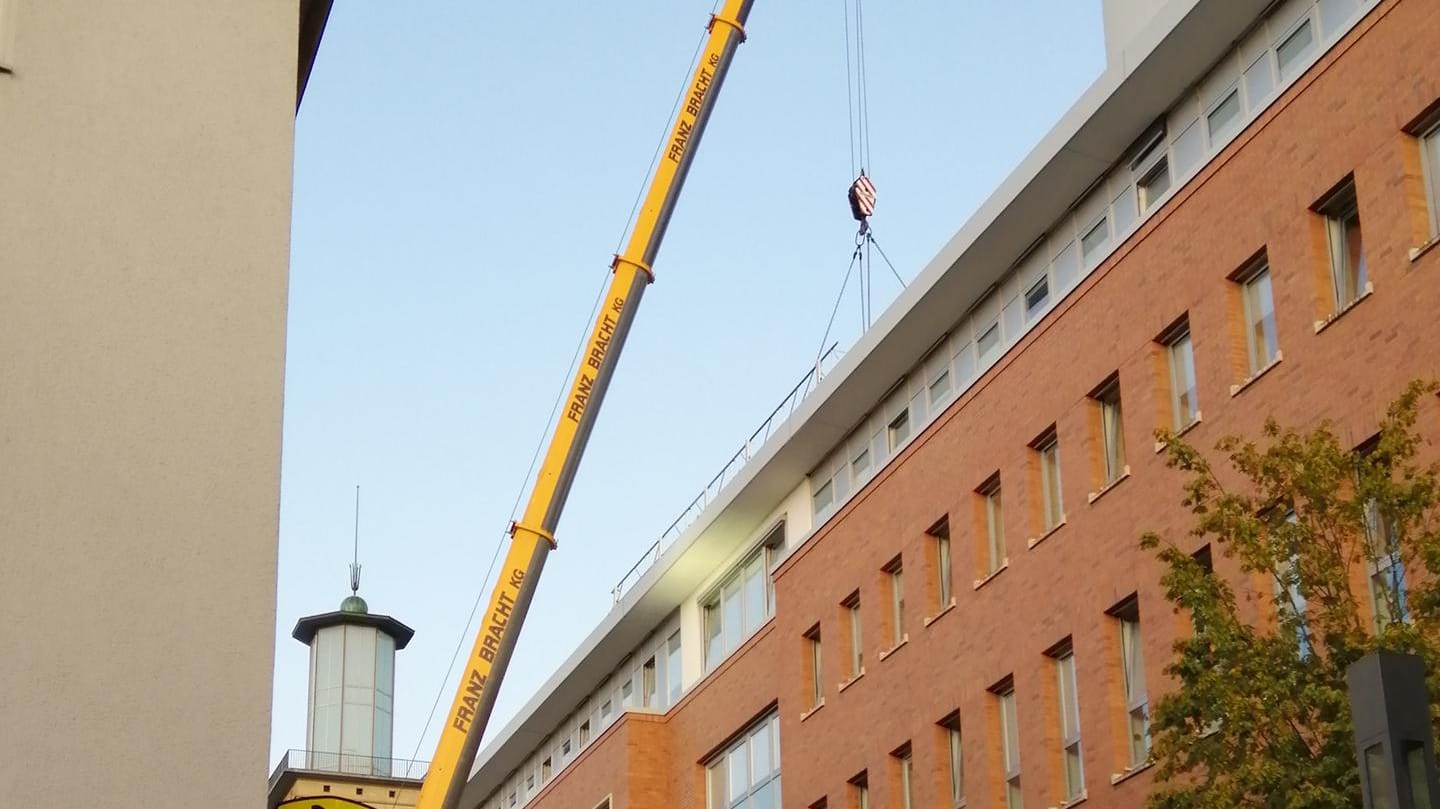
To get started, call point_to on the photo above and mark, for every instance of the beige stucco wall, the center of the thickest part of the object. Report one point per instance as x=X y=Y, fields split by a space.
x=145 y=172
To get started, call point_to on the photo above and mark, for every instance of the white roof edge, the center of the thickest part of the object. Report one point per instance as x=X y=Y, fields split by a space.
x=1170 y=54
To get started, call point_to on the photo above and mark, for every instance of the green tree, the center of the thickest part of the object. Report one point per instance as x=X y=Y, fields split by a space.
x=1261 y=716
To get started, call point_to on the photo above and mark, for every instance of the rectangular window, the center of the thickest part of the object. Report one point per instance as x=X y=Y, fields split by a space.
x=1223 y=118
x=1112 y=430
x=1151 y=169
x=817 y=682
x=584 y=733
x=1294 y=48
x=673 y=675
x=1348 y=273
x=1036 y=297
x=989 y=343
x=939 y=386
x=1009 y=742
x=994 y=523
x=851 y=606
x=940 y=536
x=545 y=771
x=860 y=463
x=1290 y=602
x=905 y=764
x=860 y=788
x=1047 y=456
x=1069 y=709
x=898 y=430
x=1092 y=244
x=564 y=749
x=1262 y=344
x=1386 y=568
x=895 y=573
x=649 y=686
x=1132 y=673
x=741 y=604
x=823 y=497
x=748 y=773
x=627 y=694
x=1430 y=167
x=1184 y=406
x=954 y=759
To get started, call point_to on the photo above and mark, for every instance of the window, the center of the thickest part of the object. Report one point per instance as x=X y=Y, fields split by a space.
x=1036 y=297
x=950 y=725
x=860 y=788
x=817 y=686
x=1262 y=344
x=530 y=783
x=860 y=462
x=1223 y=117
x=1112 y=430
x=1348 y=273
x=584 y=733
x=1092 y=244
x=627 y=694
x=673 y=676
x=739 y=606
x=649 y=687
x=512 y=799
x=545 y=770
x=1290 y=598
x=994 y=523
x=1132 y=674
x=939 y=386
x=1069 y=709
x=905 y=763
x=1293 y=49
x=898 y=430
x=823 y=497
x=1386 y=568
x=989 y=343
x=1009 y=741
x=564 y=749
x=748 y=774
x=940 y=536
x=895 y=573
x=1047 y=456
x=1430 y=162
x=851 y=605
x=1184 y=407
x=1151 y=169
x=605 y=710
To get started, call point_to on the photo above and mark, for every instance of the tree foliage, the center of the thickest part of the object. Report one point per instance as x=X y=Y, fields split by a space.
x=1261 y=716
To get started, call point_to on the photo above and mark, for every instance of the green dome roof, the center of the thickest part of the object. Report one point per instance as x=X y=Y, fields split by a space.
x=354 y=603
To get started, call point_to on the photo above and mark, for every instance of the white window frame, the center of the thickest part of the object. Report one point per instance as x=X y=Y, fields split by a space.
x=955 y=759
x=817 y=672
x=1068 y=704
x=674 y=667
x=1262 y=349
x=1111 y=412
x=1132 y=674
x=1429 y=140
x=1183 y=380
x=906 y=761
x=1338 y=209
x=1052 y=501
x=712 y=606
x=756 y=779
x=940 y=535
x=857 y=649
x=1385 y=568
x=994 y=523
x=895 y=576
x=1010 y=745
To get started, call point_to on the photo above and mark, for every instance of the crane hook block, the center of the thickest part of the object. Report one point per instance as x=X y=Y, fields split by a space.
x=862 y=198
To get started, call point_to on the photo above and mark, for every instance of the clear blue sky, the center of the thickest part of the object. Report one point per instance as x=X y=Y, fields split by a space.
x=462 y=175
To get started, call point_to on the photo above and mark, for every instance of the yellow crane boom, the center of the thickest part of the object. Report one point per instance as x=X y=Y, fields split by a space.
x=532 y=537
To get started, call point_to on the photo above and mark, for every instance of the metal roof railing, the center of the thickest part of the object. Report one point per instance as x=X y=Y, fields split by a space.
x=727 y=473
x=350 y=764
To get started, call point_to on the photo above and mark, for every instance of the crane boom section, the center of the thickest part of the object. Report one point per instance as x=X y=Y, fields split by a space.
x=532 y=537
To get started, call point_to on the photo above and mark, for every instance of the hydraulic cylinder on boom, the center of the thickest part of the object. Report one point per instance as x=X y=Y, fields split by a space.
x=533 y=535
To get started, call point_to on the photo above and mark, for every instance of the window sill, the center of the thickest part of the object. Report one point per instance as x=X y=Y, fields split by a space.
x=1160 y=445
x=1415 y=252
x=1322 y=325
x=1033 y=541
x=1130 y=772
x=947 y=608
x=1235 y=389
x=813 y=711
x=1104 y=490
x=904 y=639
x=1075 y=801
x=852 y=680
x=989 y=577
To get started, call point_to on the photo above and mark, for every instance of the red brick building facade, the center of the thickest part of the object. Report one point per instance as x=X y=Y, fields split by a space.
x=1345 y=130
